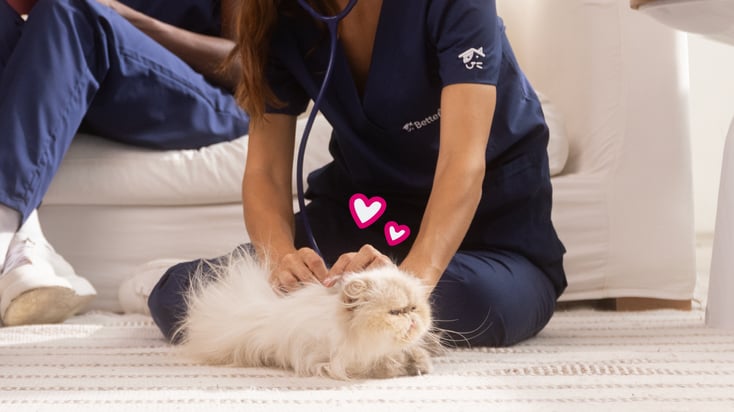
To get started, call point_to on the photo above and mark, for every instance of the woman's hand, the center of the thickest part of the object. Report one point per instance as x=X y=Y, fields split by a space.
x=366 y=258
x=297 y=268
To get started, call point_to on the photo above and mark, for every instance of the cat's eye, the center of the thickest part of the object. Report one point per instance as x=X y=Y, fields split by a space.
x=396 y=312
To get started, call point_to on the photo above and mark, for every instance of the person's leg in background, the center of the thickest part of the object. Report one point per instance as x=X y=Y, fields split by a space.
x=30 y=252
x=492 y=299
x=11 y=26
x=167 y=105
x=79 y=59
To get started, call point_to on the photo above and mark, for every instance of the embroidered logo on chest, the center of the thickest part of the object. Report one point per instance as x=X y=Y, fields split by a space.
x=473 y=58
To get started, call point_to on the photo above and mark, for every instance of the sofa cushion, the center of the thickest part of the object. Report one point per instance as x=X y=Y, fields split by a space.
x=99 y=171
x=558 y=140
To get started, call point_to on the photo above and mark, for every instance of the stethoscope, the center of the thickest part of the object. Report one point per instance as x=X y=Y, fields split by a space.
x=332 y=23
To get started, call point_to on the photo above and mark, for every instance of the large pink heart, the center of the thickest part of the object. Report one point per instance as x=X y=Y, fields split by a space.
x=366 y=211
x=395 y=233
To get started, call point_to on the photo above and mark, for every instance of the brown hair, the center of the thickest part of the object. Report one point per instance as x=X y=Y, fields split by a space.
x=254 y=23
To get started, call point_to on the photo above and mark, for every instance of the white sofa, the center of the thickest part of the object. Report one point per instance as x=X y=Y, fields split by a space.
x=622 y=201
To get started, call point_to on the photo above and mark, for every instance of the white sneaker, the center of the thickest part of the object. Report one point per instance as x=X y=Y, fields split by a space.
x=134 y=291
x=38 y=285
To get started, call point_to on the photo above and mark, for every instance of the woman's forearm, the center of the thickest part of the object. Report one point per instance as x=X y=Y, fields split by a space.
x=467 y=111
x=451 y=207
x=266 y=186
x=268 y=216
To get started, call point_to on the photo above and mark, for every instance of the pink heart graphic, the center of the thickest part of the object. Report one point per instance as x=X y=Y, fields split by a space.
x=366 y=211
x=395 y=233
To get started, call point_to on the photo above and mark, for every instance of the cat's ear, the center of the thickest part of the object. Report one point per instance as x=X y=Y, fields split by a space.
x=354 y=290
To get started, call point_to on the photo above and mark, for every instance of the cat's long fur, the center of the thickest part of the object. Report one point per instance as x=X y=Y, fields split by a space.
x=372 y=324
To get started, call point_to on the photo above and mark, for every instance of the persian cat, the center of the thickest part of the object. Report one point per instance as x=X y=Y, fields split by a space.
x=371 y=324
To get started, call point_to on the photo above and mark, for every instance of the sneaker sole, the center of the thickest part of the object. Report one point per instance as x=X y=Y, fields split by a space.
x=44 y=305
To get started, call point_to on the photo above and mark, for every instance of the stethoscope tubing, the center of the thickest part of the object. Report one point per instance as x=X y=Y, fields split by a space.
x=332 y=23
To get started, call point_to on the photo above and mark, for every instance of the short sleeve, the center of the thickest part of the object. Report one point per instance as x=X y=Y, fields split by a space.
x=282 y=81
x=467 y=38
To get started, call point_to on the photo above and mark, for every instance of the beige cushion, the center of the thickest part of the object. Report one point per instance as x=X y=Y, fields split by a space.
x=558 y=139
x=98 y=171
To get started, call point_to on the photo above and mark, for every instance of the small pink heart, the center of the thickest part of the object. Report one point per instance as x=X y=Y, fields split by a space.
x=395 y=233
x=366 y=211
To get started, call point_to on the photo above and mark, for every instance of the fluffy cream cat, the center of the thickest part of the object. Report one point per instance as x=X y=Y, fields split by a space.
x=373 y=324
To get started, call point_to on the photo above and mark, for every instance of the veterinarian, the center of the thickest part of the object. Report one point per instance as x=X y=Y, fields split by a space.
x=136 y=71
x=434 y=119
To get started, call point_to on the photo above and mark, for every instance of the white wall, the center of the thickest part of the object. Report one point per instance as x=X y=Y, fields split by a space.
x=712 y=107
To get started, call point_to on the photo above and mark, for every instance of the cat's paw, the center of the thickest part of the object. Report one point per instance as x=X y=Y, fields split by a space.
x=418 y=361
x=389 y=367
x=324 y=369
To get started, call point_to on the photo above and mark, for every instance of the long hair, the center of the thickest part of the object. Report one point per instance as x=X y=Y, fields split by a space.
x=254 y=24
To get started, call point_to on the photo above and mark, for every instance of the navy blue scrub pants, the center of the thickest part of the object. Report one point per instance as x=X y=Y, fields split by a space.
x=485 y=298
x=77 y=63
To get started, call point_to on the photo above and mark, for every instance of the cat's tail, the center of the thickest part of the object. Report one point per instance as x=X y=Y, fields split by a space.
x=223 y=303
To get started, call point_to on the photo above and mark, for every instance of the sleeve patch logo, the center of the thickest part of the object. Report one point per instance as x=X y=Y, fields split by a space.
x=472 y=58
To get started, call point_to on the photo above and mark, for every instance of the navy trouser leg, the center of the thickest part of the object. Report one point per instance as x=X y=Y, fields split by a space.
x=167 y=302
x=485 y=298
x=150 y=97
x=78 y=60
x=492 y=298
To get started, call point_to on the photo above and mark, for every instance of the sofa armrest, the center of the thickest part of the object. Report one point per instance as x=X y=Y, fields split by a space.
x=620 y=80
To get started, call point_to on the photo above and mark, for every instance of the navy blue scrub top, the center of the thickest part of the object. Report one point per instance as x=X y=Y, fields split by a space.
x=199 y=16
x=385 y=142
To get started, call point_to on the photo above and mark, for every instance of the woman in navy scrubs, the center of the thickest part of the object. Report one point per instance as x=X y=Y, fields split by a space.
x=136 y=71
x=431 y=113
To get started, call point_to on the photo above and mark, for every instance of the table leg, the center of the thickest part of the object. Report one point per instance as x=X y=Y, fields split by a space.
x=720 y=307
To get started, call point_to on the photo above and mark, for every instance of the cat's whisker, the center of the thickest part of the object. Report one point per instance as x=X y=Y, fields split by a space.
x=466 y=336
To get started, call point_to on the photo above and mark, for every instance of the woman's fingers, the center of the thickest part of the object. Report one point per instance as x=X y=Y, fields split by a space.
x=316 y=268
x=341 y=264
x=284 y=281
x=296 y=269
x=366 y=258
x=306 y=266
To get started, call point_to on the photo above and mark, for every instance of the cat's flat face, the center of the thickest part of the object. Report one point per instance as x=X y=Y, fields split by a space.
x=388 y=306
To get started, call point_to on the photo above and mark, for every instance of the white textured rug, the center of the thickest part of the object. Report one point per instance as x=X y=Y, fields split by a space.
x=584 y=360
x=661 y=360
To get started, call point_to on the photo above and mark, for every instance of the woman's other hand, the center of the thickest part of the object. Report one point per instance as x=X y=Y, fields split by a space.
x=366 y=258
x=297 y=268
